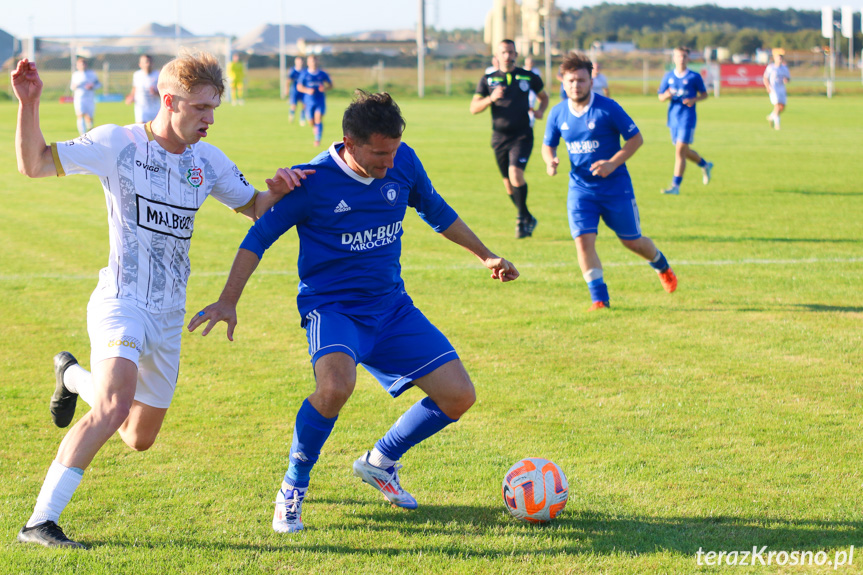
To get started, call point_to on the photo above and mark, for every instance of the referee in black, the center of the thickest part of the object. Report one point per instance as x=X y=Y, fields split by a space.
x=507 y=91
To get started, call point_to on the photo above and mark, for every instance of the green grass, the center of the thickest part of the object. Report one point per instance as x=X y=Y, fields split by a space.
x=722 y=417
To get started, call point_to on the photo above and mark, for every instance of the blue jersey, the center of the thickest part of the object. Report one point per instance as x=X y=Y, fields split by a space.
x=294 y=77
x=350 y=230
x=591 y=136
x=315 y=81
x=682 y=87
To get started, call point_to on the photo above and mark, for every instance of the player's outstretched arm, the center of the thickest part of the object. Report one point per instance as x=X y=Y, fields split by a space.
x=549 y=156
x=282 y=183
x=34 y=155
x=226 y=308
x=459 y=233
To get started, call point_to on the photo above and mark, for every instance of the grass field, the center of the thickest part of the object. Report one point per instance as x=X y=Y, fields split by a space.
x=722 y=417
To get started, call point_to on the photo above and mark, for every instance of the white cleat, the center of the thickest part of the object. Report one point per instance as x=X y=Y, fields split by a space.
x=672 y=191
x=705 y=173
x=384 y=480
x=287 y=517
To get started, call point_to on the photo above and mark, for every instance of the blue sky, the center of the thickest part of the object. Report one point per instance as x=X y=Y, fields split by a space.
x=119 y=17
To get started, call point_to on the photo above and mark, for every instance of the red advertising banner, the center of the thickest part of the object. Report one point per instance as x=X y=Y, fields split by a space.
x=742 y=75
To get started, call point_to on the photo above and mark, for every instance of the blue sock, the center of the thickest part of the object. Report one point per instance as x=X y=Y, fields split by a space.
x=598 y=290
x=659 y=263
x=702 y=163
x=422 y=420
x=311 y=431
x=677 y=180
x=319 y=131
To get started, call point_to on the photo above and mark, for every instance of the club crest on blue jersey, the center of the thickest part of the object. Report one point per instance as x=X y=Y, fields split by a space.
x=195 y=176
x=390 y=192
x=591 y=125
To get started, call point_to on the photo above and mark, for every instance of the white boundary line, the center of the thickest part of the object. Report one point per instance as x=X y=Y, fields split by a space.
x=676 y=264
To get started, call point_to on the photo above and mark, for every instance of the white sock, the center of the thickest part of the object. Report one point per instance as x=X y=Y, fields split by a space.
x=378 y=459
x=60 y=483
x=79 y=380
x=592 y=275
x=776 y=121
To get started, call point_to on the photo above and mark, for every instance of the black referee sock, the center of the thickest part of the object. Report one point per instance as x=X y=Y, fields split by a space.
x=519 y=197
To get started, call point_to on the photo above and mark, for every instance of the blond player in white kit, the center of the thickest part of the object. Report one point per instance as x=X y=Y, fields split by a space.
x=155 y=177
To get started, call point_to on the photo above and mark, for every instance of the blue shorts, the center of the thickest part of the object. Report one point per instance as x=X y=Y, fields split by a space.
x=294 y=96
x=397 y=346
x=683 y=134
x=619 y=213
x=312 y=106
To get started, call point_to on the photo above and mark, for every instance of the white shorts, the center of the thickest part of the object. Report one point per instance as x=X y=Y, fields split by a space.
x=119 y=328
x=778 y=97
x=85 y=106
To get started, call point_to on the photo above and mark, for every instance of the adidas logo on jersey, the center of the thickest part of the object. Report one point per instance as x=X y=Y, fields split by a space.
x=342 y=208
x=564 y=126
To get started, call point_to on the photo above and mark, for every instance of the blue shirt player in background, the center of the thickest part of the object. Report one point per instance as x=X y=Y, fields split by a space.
x=591 y=126
x=683 y=88
x=314 y=83
x=294 y=96
x=352 y=299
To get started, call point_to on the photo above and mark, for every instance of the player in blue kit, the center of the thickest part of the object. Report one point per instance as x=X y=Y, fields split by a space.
x=352 y=299
x=591 y=126
x=683 y=88
x=314 y=83
x=294 y=97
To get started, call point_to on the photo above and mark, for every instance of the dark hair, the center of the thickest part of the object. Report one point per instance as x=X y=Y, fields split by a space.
x=684 y=49
x=372 y=114
x=574 y=61
x=507 y=41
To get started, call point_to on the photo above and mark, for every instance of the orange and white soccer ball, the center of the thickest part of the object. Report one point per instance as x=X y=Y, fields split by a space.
x=535 y=490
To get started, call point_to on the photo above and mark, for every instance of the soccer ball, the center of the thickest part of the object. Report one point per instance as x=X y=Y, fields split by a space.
x=535 y=490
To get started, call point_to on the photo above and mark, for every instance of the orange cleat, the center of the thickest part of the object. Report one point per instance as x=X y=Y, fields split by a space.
x=669 y=280
x=599 y=305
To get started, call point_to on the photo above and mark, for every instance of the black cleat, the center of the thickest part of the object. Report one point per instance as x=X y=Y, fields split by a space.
x=48 y=534
x=520 y=230
x=63 y=401
x=530 y=225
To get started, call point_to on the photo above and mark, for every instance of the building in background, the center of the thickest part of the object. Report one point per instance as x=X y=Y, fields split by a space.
x=523 y=22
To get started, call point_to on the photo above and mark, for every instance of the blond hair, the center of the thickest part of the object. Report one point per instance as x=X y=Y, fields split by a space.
x=190 y=70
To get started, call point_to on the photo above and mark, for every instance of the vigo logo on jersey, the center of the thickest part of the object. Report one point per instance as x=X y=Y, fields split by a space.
x=373 y=237
x=582 y=147
x=148 y=167
x=165 y=219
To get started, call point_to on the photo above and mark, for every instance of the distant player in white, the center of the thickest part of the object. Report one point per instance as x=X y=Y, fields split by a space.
x=84 y=82
x=776 y=75
x=145 y=91
x=600 y=82
x=155 y=177
x=529 y=66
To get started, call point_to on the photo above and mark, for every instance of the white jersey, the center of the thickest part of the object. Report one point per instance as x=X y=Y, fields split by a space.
x=776 y=77
x=146 y=95
x=152 y=199
x=600 y=84
x=80 y=78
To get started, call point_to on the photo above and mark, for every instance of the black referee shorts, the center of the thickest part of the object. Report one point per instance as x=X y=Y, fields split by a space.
x=511 y=150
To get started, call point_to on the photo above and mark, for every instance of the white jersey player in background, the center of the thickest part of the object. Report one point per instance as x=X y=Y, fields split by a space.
x=84 y=83
x=145 y=91
x=155 y=177
x=776 y=75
